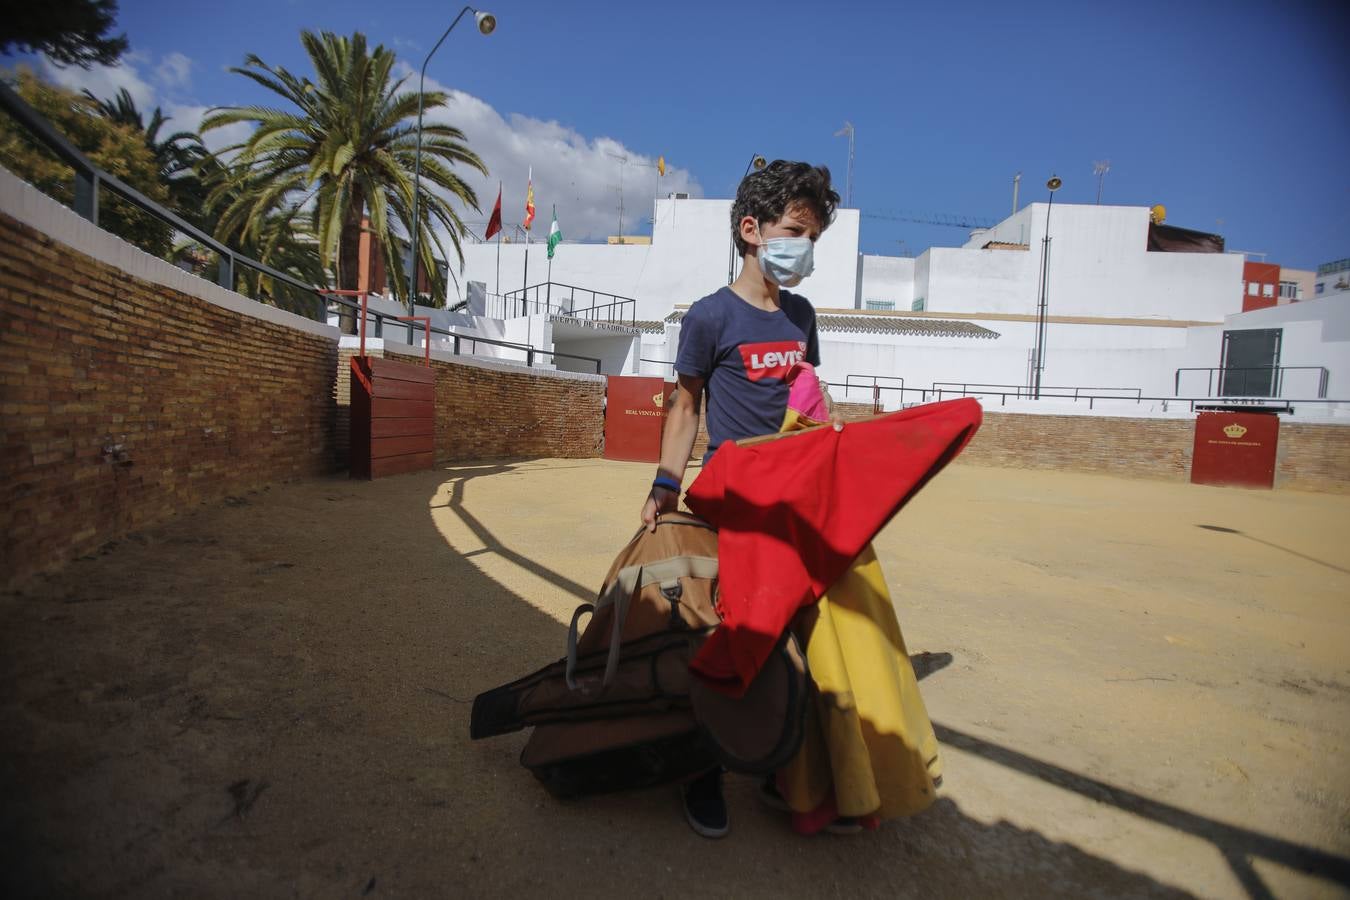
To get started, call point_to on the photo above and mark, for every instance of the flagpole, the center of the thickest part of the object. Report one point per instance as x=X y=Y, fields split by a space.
x=499 y=244
x=529 y=218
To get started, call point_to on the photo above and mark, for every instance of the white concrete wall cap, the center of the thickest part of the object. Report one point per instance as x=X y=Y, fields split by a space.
x=35 y=209
x=388 y=345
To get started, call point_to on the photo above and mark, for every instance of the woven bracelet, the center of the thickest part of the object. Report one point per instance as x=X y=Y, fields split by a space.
x=669 y=484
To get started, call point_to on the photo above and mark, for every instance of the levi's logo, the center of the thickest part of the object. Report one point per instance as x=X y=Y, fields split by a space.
x=771 y=360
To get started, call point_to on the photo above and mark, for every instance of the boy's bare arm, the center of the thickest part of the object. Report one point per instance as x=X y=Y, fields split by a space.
x=677 y=441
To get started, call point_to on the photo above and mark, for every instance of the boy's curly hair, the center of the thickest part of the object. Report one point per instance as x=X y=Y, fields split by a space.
x=768 y=194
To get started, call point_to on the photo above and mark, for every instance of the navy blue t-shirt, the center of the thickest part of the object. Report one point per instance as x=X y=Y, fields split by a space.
x=743 y=354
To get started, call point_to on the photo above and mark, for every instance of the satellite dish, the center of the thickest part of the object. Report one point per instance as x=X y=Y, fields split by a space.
x=1157 y=213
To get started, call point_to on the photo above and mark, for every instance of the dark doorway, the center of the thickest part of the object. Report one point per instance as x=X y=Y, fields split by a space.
x=1251 y=360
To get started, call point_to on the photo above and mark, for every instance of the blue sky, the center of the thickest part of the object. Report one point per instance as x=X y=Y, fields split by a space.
x=1236 y=116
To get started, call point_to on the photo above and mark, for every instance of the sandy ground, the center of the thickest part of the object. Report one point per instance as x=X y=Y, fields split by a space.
x=270 y=697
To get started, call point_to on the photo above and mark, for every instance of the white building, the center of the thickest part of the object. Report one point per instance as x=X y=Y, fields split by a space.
x=1121 y=319
x=1332 y=278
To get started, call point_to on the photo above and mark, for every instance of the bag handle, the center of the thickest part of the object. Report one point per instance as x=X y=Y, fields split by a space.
x=626 y=584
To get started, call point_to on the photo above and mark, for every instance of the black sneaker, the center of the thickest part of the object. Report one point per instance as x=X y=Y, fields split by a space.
x=771 y=797
x=845 y=825
x=704 y=806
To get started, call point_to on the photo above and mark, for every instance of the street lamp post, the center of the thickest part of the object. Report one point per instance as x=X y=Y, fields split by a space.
x=1053 y=184
x=487 y=23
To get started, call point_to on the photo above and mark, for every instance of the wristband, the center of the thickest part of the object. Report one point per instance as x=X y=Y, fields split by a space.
x=669 y=484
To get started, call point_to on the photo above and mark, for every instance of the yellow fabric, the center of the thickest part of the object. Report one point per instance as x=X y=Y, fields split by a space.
x=868 y=736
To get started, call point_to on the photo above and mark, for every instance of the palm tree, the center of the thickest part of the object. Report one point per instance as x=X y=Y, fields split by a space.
x=193 y=176
x=282 y=236
x=177 y=155
x=348 y=148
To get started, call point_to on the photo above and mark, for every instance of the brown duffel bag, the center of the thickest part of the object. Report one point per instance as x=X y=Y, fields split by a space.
x=616 y=713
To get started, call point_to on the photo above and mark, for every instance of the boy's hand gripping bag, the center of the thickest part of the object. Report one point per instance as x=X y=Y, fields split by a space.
x=617 y=711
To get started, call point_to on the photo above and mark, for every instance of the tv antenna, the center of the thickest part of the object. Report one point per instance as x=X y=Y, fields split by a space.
x=848 y=189
x=623 y=162
x=1100 y=168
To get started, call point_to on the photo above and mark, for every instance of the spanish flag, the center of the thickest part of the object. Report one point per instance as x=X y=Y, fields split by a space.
x=529 y=200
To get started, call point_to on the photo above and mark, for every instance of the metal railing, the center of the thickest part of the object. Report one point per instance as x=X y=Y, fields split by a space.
x=413 y=324
x=944 y=390
x=664 y=362
x=553 y=298
x=1022 y=391
x=872 y=381
x=89 y=179
x=1269 y=383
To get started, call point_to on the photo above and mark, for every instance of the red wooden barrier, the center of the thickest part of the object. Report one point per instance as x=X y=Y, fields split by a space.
x=393 y=418
x=635 y=411
x=1235 y=448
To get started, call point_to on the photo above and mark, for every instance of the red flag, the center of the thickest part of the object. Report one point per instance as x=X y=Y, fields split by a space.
x=529 y=201
x=495 y=223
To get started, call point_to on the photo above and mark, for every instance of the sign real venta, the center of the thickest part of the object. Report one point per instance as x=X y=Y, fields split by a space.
x=1235 y=449
x=635 y=412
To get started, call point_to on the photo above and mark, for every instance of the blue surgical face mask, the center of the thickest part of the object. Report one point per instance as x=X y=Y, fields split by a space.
x=786 y=260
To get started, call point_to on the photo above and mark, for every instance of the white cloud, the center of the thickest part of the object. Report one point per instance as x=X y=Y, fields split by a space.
x=172 y=74
x=174 y=71
x=579 y=174
x=188 y=117
x=104 y=81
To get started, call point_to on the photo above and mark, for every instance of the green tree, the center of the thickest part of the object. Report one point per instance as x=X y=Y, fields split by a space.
x=348 y=145
x=115 y=148
x=283 y=240
x=70 y=32
x=177 y=155
x=281 y=236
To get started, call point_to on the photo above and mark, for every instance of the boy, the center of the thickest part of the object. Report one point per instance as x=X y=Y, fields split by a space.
x=737 y=346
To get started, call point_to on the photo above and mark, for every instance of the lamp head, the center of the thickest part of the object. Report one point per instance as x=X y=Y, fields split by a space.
x=487 y=22
x=1054 y=183
x=760 y=163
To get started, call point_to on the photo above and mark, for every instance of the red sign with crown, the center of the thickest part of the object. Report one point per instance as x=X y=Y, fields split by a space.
x=1235 y=449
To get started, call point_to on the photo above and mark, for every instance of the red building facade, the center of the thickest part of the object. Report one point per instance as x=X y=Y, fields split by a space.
x=1260 y=285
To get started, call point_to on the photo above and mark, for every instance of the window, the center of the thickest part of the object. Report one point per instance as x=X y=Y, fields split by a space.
x=1320 y=285
x=880 y=304
x=918 y=305
x=1267 y=290
x=1288 y=290
x=1252 y=288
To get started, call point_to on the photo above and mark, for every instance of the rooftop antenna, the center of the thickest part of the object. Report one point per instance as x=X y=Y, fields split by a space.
x=623 y=162
x=848 y=189
x=1100 y=168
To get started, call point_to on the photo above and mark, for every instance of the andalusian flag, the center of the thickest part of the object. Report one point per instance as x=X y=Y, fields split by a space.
x=529 y=200
x=554 y=234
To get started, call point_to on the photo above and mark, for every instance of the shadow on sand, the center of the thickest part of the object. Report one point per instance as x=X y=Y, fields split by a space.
x=273 y=697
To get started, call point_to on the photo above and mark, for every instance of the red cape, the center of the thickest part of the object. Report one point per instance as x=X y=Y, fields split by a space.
x=792 y=514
